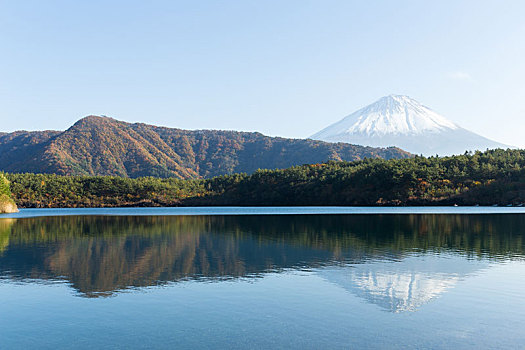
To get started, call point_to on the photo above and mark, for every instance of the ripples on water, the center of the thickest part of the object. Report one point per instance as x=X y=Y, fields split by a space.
x=297 y=281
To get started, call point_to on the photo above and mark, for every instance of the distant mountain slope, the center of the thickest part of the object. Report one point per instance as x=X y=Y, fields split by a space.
x=24 y=150
x=105 y=146
x=403 y=122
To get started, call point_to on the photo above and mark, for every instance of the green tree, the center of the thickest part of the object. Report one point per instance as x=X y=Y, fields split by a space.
x=7 y=204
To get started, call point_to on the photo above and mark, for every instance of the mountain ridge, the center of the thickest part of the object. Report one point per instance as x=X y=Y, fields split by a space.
x=96 y=145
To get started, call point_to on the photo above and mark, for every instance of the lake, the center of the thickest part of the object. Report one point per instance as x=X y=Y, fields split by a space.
x=248 y=278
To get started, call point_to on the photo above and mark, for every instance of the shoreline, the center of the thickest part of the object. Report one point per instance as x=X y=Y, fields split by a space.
x=207 y=211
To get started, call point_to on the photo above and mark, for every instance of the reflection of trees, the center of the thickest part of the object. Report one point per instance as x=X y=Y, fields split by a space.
x=103 y=254
x=5 y=228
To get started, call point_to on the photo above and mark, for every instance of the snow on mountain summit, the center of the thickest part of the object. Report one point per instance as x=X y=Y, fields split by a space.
x=401 y=121
x=393 y=114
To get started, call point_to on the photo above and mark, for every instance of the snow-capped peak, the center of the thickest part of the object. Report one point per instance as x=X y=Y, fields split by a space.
x=392 y=114
x=401 y=121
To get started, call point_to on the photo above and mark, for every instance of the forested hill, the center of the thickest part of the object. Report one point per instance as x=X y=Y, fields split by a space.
x=488 y=178
x=105 y=146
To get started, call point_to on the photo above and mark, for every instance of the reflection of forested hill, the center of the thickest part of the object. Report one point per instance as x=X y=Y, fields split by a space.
x=104 y=254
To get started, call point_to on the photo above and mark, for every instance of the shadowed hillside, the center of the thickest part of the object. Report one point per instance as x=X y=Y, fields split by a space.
x=104 y=146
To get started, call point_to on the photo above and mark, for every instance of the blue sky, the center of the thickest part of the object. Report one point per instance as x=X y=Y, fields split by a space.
x=284 y=68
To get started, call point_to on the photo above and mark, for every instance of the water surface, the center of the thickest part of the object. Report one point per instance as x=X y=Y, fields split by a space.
x=26 y=213
x=263 y=281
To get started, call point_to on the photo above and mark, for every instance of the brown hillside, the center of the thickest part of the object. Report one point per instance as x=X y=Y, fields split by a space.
x=105 y=146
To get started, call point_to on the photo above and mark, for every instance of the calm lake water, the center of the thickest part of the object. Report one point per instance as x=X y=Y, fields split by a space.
x=153 y=279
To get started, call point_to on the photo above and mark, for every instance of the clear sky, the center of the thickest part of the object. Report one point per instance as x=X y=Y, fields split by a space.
x=283 y=67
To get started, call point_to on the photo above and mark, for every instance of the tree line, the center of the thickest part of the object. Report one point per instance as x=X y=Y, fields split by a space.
x=493 y=177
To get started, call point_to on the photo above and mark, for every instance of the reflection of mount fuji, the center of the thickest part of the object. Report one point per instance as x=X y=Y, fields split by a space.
x=101 y=255
x=403 y=285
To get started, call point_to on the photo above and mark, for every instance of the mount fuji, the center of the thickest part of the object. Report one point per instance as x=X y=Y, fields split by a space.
x=401 y=121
